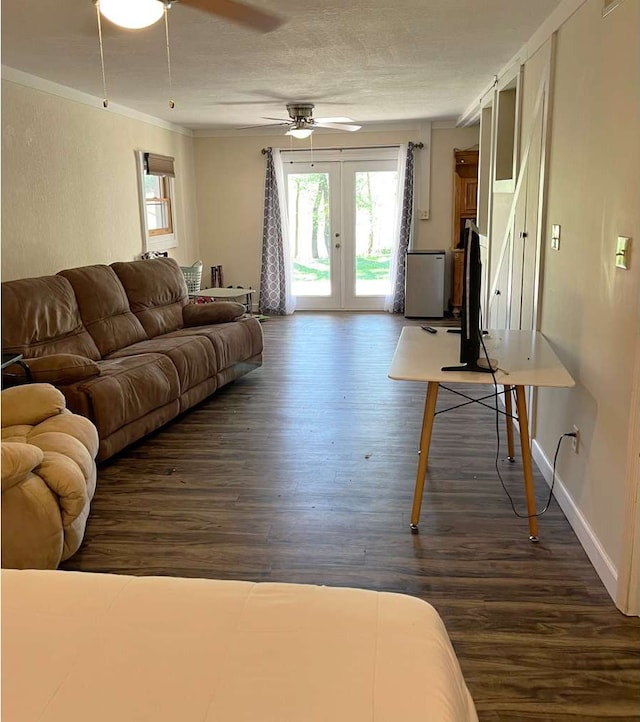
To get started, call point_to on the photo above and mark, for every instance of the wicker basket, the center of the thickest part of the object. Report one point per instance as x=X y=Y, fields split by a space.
x=193 y=276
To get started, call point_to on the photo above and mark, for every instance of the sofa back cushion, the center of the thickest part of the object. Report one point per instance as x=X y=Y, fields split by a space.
x=40 y=316
x=104 y=308
x=157 y=291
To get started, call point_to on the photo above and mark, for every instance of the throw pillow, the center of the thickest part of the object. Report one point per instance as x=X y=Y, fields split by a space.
x=57 y=369
x=202 y=314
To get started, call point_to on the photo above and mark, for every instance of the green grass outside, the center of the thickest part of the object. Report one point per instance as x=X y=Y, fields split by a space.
x=368 y=268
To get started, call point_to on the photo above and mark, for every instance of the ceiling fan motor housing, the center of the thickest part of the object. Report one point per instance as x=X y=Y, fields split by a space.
x=300 y=111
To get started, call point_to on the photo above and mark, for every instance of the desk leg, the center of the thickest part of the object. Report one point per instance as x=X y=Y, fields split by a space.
x=509 y=409
x=521 y=403
x=425 y=443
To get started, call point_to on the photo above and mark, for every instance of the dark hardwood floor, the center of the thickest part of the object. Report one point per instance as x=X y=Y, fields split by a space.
x=303 y=471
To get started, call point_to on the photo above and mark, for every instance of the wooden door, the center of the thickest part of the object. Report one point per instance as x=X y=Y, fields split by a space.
x=465 y=207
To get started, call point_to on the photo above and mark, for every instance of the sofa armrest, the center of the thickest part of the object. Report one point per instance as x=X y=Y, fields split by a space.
x=203 y=314
x=30 y=404
x=18 y=460
x=57 y=369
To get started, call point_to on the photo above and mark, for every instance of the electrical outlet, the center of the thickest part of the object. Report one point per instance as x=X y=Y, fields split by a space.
x=575 y=440
x=555 y=237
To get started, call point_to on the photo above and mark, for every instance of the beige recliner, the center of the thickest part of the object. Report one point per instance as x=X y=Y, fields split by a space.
x=48 y=477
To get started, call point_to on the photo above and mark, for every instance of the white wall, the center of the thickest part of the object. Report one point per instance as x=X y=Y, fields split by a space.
x=70 y=197
x=69 y=184
x=436 y=233
x=590 y=308
x=230 y=192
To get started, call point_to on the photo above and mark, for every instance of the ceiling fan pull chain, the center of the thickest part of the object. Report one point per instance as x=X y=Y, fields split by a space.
x=172 y=105
x=105 y=100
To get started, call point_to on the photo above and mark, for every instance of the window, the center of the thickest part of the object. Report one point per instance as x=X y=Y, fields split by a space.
x=156 y=176
x=157 y=199
x=507 y=131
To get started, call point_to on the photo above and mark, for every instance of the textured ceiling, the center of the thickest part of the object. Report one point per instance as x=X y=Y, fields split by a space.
x=372 y=60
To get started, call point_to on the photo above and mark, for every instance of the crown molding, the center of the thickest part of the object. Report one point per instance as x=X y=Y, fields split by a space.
x=62 y=91
x=444 y=124
x=553 y=23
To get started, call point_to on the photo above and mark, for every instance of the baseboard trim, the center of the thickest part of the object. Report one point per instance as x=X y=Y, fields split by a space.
x=600 y=560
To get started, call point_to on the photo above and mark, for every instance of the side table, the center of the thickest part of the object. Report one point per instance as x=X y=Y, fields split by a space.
x=226 y=294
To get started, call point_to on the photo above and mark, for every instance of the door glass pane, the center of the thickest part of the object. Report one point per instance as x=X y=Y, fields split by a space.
x=309 y=233
x=375 y=216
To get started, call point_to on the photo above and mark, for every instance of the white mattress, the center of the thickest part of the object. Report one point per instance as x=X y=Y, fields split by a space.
x=112 y=648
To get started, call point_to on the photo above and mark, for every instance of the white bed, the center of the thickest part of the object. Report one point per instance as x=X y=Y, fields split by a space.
x=101 y=647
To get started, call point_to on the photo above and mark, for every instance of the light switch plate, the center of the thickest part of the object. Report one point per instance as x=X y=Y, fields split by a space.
x=623 y=252
x=555 y=237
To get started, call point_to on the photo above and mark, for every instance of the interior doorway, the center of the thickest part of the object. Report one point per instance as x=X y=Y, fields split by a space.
x=342 y=218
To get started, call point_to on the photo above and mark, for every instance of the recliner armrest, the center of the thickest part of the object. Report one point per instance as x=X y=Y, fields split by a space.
x=18 y=460
x=30 y=404
x=203 y=314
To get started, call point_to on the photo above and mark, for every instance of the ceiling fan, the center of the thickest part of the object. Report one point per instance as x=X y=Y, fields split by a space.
x=135 y=14
x=301 y=122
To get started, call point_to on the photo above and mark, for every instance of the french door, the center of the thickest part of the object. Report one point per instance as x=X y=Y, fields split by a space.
x=341 y=231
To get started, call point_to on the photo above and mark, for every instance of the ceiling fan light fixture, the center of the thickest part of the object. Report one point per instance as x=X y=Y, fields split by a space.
x=300 y=133
x=132 y=14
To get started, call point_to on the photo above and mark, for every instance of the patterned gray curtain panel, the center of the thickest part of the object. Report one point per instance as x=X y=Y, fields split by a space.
x=405 y=232
x=273 y=295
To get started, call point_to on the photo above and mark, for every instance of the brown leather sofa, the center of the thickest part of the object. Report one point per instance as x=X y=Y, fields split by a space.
x=124 y=345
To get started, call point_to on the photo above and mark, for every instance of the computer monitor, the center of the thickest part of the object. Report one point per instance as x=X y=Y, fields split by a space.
x=470 y=329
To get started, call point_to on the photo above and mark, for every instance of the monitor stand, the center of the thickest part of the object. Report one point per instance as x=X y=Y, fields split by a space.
x=480 y=366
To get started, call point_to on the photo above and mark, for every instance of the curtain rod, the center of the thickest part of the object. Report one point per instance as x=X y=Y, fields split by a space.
x=352 y=147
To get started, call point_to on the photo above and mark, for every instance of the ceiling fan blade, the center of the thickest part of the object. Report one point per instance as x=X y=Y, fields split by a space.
x=334 y=120
x=337 y=126
x=282 y=120
x=262 y=125
x=238 y=12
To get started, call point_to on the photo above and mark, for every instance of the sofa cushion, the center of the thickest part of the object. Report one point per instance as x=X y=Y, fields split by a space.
x=104 y=307
x=157 y=291
x=127 y=389
x=40 y=316
x=232 y=342
x=192 y=356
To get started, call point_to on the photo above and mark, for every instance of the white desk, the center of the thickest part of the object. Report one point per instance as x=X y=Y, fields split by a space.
x=226 y=294
x=525 y=358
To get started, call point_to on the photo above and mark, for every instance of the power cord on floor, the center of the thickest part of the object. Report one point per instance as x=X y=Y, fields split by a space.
x=553 y=481
x=555 y=456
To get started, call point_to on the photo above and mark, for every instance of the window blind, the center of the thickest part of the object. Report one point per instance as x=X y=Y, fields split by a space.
x=158 y=165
